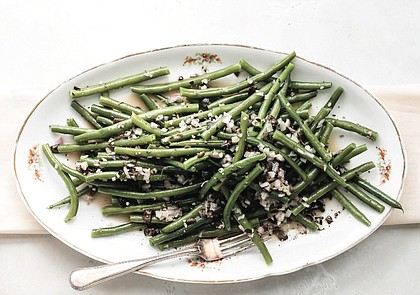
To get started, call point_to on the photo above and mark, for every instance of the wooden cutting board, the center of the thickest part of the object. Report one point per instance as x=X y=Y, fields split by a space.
x=403 y=102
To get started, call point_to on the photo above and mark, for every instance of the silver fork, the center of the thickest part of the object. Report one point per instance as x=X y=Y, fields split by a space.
x=208 y=249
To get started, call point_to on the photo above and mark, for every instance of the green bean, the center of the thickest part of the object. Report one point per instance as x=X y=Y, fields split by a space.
x=199 y=143
x=302 y=97
x=175 y=243
x=119 y=105
x=69 y=148
x=85 y=114
x=326 y=132
x=142 y=140
x=182 y=135
x=136 y=218
x=354 y=127
x=150 y=103
x=171 y=110
x=165 y=237
x=73 y=172
x=308 y=223
x=70 y=129
x=309 y=85
x=326 y=109
x=242 y=141
x=105 y=132
x=228 y=100
x=268 y=98
x=357 y=151
x=201 y=115
x=247 y=67
x=367 y=186
x=239 y=188
x=104 y=121
x=200 y=157
x=71 y=122
x=152 y=195
x=114 y=84
x=74 y=198
x=228 y=136
x=181 y=221
x=162 y=88
x=113 y=230
x=108 y=113
x=357 y=192
x=146 y=126
x=158 y=153
x=163 y=99
x=103 y=175
x=113 y=210
x=275 y=110
x=303 y=114
x=304 y=106
x=349 y=206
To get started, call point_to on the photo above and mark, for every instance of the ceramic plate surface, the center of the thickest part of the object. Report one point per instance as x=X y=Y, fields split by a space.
x=40 y=185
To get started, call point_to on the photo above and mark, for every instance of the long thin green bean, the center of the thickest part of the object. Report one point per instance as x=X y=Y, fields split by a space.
x=367 y=186
x=114 y=84
x=114 y=230
x=120 y=105
x=346 y=203
x=85 y=114
x=152 y=195
x=165 y=87
x=74 y=198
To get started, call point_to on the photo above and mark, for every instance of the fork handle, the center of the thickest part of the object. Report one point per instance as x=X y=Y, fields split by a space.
x=84 y=278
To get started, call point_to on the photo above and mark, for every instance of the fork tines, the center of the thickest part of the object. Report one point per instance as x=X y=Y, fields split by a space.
x=235 y=244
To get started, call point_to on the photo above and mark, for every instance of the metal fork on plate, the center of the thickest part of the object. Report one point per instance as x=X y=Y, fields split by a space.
x=208 y=249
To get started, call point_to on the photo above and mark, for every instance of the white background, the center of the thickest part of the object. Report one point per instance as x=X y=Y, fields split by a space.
x=43 y=43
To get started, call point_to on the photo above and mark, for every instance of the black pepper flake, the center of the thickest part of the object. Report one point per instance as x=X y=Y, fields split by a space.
x=281 y=235
x=251 y=90
x=180 y=78
x=317 y=205
x=329 y=219
x=150 y=231
x=248 y=231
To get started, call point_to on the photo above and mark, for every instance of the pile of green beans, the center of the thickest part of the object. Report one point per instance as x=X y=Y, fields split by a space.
x=247 y=157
